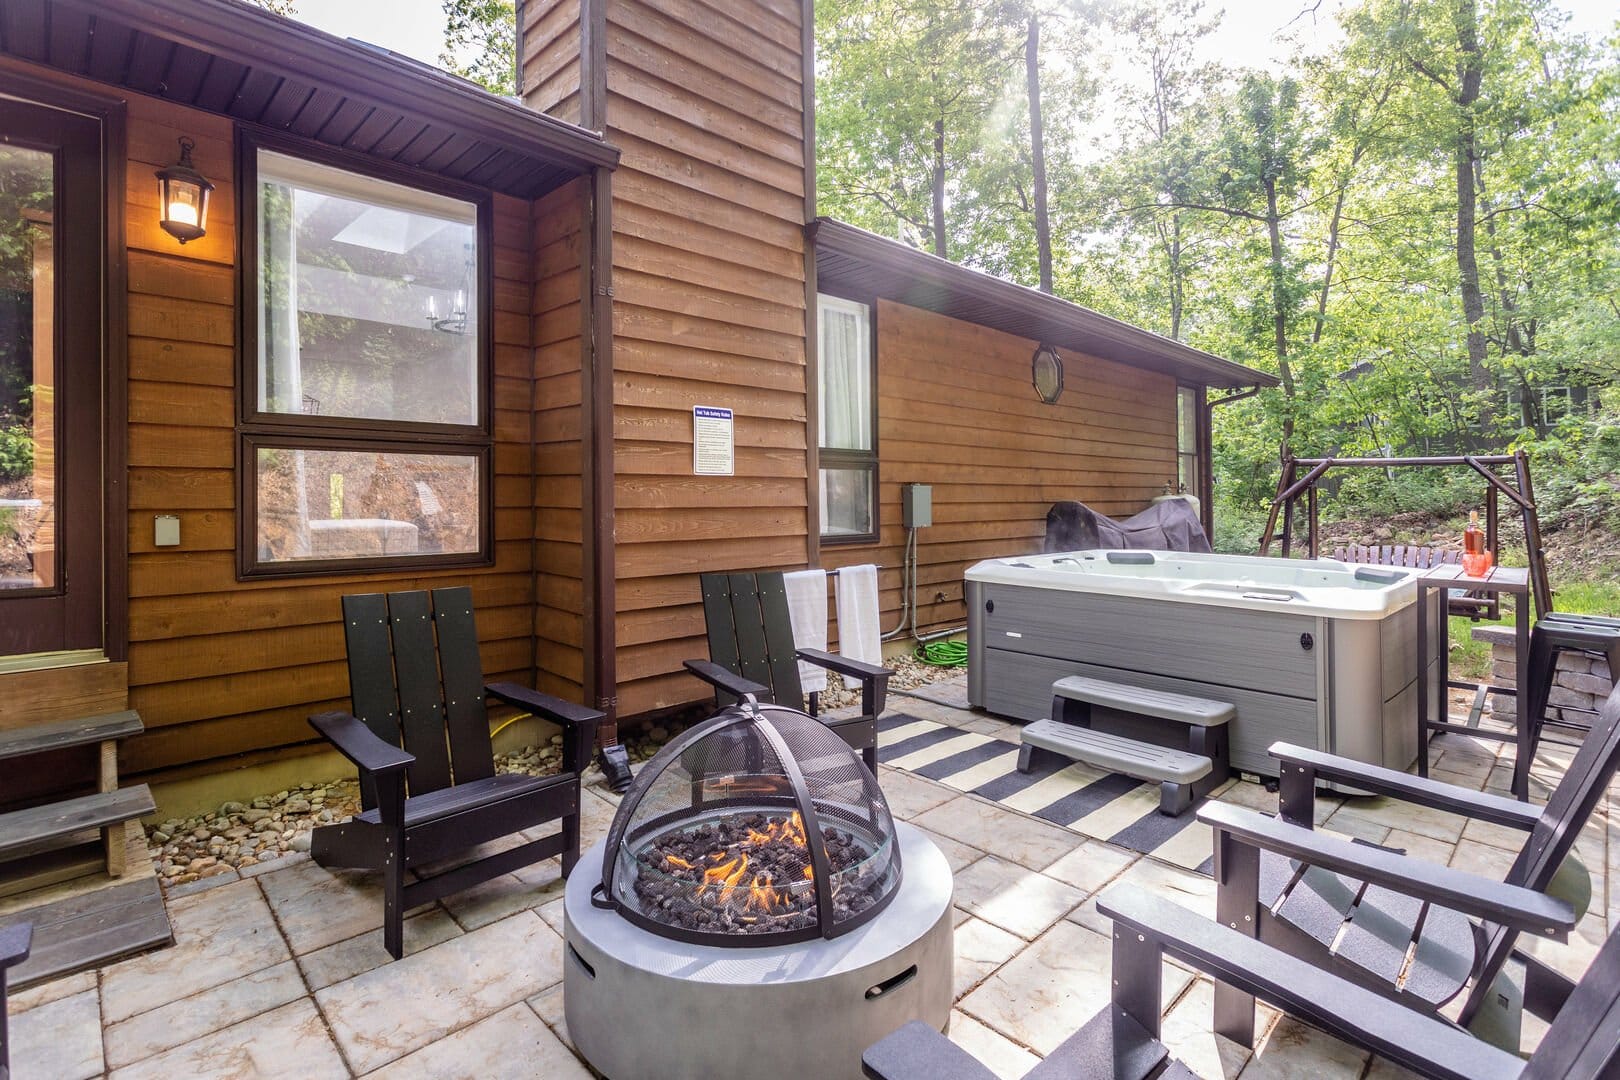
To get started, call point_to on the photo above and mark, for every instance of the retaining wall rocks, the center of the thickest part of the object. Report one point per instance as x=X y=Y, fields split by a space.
x=1581 y=685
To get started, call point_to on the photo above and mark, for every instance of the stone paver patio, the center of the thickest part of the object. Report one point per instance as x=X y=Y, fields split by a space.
x=280 y=969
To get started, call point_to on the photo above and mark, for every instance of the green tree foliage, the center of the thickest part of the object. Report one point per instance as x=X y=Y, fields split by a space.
x=1418 y=230
x=480 y=43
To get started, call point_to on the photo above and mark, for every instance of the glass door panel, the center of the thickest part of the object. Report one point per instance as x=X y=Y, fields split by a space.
x=28 y=377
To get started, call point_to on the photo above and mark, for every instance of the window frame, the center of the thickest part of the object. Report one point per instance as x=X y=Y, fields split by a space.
x=1193 y=457
x=838 y=458
x=256 y=428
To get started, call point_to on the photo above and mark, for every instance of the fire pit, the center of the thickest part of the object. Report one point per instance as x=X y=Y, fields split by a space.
x=754 y=872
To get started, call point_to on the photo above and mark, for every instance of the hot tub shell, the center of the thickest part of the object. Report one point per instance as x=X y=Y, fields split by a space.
x=1314 y=652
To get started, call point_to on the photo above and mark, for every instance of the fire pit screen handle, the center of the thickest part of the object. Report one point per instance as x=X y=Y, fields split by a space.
x=599 y=897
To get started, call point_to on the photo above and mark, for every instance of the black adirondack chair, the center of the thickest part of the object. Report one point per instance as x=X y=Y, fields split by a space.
x=14 y=945
x=420 y=738
x=751 y=651
x=1419 y=933
x=1122 y=1041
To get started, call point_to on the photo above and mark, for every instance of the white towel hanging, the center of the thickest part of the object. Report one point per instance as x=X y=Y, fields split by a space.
x=859 y=636
x=807 y=612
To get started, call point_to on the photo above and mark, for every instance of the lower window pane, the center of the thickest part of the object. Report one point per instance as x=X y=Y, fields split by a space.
x=846 y=502
x=364 y=504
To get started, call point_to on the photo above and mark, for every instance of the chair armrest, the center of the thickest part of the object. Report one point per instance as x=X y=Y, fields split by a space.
x=541 y=704
x=360 y=744
x=1409 y=788
x=1341 y=1008
x=15 y=941
x=1495 y=901
x=723 y=679
x=916 y=1051
x=855 y=669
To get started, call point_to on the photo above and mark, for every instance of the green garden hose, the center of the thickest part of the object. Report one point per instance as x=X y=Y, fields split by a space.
x=943 y=653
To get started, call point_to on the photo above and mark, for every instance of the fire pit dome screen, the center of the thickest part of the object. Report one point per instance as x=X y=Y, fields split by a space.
x=759 y=826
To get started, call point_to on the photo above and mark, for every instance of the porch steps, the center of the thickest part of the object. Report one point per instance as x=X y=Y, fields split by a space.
x=90 y=930
x=40 y=828
x=38 y=738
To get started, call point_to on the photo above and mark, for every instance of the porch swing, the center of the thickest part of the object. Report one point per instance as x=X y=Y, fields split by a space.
x=1292 y=486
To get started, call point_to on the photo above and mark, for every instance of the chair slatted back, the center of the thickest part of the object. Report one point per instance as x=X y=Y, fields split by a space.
x=415 y=679
x=1553 y=837
x=750 y=632
x=1583 y=1042
x=472 y=756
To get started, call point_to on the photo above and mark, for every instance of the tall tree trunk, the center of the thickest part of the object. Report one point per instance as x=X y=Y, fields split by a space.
x=1470 y=73
x=1178 y=291
x=1279 y=316
x=940 y=247
x=1327 y=270
x=1037 y=149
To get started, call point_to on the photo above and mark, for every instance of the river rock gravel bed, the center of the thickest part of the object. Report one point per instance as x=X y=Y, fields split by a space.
x=237 y=835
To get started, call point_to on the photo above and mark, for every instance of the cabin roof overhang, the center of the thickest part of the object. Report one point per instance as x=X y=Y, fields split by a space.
x=860 y=263
x=234 y=59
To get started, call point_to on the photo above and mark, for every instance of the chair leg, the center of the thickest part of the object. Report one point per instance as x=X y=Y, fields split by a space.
x=570 y=852
x=869 y=755
x=393 y=873
x=1237 y=904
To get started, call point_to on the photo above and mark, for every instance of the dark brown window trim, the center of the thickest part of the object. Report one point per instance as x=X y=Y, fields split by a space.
x=247 y=535
x=255 y=428
x=829 y=458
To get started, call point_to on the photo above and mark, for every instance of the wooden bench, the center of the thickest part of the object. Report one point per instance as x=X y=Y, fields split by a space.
x=42 y=828
x=1181 y=774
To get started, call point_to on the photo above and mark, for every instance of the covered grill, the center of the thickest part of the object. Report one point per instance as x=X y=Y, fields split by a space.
x=757 y=827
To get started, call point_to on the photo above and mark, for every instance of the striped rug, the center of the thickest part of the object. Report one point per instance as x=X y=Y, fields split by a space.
x=1096 y=804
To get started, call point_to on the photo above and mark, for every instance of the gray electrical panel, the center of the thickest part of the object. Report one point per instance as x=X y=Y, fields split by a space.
x=916 y=505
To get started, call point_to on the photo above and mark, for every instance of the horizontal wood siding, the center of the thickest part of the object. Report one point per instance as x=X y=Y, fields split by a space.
x=708 y=280
x=559 y=221
x=549 y=67
x=956 y=410
x=219 y=667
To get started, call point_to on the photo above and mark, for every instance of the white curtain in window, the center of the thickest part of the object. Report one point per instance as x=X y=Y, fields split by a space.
x=846 y=375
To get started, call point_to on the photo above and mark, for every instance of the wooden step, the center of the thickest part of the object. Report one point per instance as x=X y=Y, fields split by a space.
x=1182 y=708
x=38 y=738
x=39 y=828
x=1145 y=761
x=91 y=929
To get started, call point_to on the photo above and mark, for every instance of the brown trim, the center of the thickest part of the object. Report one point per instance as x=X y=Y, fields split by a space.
x=242 y=34
x=812 y=317
x=248 y=443
x=255 y=427
x=110 y=110
x=593 y=65
x=861 y=259
x=598 y=564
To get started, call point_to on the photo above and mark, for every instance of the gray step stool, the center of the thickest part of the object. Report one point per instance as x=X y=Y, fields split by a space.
x=1181 y=774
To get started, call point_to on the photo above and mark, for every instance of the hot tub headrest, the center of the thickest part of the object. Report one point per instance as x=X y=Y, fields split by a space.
x=1171 y=525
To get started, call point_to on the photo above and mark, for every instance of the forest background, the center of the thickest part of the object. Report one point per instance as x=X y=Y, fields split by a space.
x=1413 y=219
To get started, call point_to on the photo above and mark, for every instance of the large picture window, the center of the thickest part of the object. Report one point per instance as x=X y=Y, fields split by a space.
x=848 y=425
x=365 y=440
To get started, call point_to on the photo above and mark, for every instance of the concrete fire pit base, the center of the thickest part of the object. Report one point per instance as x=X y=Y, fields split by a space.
x=644 y=1007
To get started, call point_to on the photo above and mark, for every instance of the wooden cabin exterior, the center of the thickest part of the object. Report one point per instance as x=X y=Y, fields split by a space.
x=646 y=243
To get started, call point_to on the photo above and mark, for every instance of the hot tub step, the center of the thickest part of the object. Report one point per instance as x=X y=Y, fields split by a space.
x=1176 y=770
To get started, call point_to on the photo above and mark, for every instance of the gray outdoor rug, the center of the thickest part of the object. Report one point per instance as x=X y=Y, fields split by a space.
x=1095 y=804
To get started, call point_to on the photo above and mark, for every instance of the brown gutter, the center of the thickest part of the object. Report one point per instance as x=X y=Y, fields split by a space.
x=257 y=39
x=812 y=328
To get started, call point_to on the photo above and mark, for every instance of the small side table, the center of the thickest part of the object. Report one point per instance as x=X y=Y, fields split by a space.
x=1513 y=581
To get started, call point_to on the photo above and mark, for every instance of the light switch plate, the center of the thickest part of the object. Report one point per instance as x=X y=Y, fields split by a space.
x=166 y=530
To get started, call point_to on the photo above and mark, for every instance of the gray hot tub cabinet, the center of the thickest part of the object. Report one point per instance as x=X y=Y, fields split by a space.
x=1348 y=686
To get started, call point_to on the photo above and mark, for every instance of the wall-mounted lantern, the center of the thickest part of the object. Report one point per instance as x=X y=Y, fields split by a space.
x=183 y=197
x=1046 y=371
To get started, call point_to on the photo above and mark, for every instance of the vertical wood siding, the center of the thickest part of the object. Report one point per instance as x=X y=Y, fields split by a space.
x=708 y=276
x=956 y=410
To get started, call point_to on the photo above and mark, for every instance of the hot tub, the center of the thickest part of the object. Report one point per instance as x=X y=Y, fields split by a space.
x=1315 y=652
